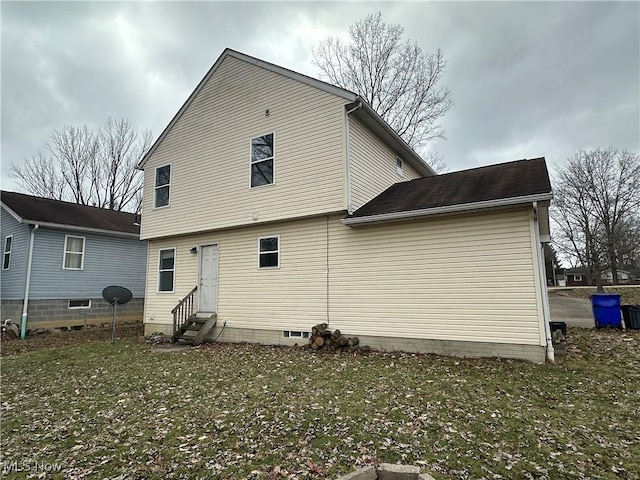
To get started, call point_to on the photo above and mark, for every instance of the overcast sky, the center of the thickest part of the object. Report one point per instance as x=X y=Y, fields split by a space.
x=528 y=79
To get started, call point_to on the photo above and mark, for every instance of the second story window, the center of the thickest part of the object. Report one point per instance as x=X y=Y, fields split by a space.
x=73 y=253
x=262 y=160
x=399 y=166
x=163 y=182
x=6 y=260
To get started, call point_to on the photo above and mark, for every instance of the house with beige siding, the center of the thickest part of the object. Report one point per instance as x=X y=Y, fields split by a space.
x=274 y=201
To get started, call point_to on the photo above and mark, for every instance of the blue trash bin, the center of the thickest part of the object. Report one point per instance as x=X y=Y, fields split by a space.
x=606 y=309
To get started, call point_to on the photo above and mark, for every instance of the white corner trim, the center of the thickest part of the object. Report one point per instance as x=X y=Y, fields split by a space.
x=426 y=212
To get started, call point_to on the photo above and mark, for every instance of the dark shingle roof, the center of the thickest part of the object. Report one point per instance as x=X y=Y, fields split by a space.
x=45 y=210
x=494 y=182
x=576 y=271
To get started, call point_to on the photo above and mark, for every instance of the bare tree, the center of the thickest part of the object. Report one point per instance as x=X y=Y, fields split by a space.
x=396 y=78
x=596 y=207
x=89 y=168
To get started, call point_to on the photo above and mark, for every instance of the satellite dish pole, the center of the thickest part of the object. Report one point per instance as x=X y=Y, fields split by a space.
x=116 y=295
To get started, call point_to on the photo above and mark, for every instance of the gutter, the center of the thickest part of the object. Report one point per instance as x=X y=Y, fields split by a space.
x=427 y=212
x=348 y=155
x=79 y=228
x=546 y=314
x=23 y=324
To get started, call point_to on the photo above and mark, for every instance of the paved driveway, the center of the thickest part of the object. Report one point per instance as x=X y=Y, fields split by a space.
x=576 y=312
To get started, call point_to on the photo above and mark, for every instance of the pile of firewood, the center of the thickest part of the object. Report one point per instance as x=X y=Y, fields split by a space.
x=324 y=339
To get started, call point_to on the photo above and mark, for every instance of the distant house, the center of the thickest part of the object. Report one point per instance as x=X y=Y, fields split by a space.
x=76 y=251
x=275 y=202
x=580 y=277
x=576 y=277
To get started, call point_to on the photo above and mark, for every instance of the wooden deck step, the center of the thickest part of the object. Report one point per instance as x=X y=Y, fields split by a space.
x=200 y=327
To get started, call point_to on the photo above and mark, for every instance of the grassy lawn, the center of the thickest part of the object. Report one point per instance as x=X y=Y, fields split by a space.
x=241 y=411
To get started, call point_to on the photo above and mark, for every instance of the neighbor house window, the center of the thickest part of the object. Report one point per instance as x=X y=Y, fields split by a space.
x=6 y=260
x=73 y=252
x=399 y=166
x=80 y=303
x=166 y=269
x=577 y=278
x=163 y=182
x=269 y=252
x=262 y=160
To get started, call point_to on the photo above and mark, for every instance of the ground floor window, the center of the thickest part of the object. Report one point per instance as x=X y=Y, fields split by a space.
x=166 y=269
x=269 y=252
x=73 y=253
x=6 y=260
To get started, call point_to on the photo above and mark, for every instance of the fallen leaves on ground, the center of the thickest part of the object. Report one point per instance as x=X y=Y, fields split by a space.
x=124 y=411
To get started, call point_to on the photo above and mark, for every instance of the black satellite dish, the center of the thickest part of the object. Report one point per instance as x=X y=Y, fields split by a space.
x=116 y=296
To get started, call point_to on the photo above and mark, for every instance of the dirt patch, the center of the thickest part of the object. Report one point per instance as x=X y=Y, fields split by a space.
x=10 y=346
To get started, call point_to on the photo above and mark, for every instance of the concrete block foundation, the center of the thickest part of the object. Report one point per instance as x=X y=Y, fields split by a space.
x=55 y=313
x=456 y=348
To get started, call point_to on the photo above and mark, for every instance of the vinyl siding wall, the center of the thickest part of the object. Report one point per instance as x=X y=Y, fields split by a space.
x=470 y=277
x=107 y=261
x=209 y=152
x=463 y=278
x=373 y=165
x=292 y=297
x=13 y=280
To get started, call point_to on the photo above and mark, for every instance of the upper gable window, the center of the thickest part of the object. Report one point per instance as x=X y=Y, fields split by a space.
x=73 y=253
x=163 y=182
x=6 y=261
x=399 y=166
x=262 y=160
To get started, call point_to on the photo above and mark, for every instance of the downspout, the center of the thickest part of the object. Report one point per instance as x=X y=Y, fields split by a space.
x=23 y=325
x=543 y=287
x=348 y=155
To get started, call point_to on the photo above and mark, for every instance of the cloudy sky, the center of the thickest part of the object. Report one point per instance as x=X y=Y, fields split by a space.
x=528 y=79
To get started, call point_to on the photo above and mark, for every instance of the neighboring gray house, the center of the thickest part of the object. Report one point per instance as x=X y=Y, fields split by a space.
x=76 y=251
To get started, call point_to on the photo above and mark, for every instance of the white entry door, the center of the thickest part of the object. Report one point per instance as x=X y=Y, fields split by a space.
x=208 y=285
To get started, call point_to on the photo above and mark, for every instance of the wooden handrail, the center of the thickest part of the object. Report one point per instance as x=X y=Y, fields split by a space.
x=186 y=297
x=183 y=310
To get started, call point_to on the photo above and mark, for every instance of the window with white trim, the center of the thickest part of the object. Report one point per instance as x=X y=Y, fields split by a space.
x=577 y=278
x=399 y=166
x=166 y=269
x=162 y=185
x=262 y=160
x=6 y=259
x=294 y=334
x=269 y=252
x=73 y=253
x=80 y=303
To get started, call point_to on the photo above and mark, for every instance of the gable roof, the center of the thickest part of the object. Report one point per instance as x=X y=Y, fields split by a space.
x=522 y=181
x=28 y=209
x=367 y=114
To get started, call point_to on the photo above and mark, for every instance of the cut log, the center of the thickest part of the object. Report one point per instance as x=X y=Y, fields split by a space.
x=342 y=341
x=353 y=341
x=318 y=342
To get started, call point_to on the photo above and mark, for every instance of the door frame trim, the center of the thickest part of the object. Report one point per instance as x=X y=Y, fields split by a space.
x=199 y=271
